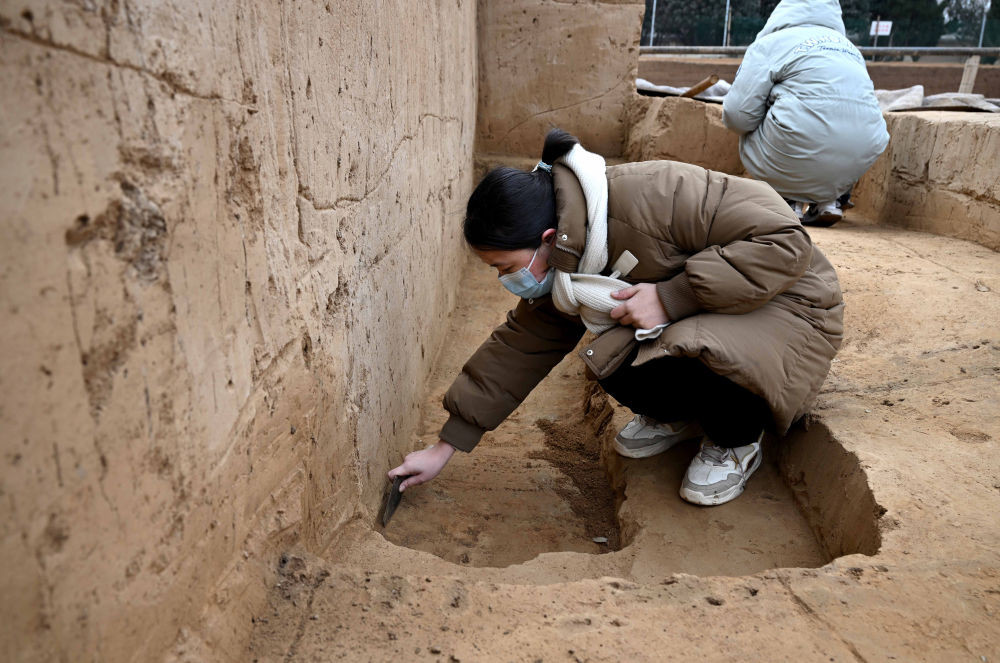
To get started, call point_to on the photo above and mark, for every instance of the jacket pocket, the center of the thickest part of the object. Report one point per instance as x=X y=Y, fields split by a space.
x=605 y=354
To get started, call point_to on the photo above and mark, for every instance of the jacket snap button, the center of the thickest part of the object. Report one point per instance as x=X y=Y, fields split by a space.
x=564 y=237
x=590 y=353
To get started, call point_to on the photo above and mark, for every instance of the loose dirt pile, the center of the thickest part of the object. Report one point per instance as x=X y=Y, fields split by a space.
x=575 y=451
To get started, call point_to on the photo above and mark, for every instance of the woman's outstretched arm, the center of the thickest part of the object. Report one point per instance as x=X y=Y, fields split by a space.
x=505 y=368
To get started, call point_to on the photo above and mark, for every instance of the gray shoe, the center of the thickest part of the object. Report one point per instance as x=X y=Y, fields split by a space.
x=643 y=437
x=718 y=475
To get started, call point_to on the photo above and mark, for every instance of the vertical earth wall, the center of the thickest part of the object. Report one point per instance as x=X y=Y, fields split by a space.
x=546 y=63
x=228 y=230
x=939 y=174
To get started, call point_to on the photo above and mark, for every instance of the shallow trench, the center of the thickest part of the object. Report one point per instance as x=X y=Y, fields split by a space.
x=547 y=481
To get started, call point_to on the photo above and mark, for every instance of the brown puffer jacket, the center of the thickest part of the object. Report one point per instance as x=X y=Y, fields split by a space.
x=737 y=273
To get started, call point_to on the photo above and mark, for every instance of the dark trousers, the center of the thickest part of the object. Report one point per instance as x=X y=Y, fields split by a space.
x=681 y=388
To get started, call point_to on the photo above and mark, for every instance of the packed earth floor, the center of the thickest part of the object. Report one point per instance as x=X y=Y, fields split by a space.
x=871 y=535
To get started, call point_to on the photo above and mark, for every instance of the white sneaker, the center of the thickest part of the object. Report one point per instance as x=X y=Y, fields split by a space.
x=822 y=214
x=718 y=475
x=643 y=437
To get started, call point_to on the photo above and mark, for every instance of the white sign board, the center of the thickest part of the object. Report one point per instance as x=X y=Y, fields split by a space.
x=880 y=28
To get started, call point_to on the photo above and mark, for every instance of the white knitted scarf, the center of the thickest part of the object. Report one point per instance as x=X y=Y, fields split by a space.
x=586 y=293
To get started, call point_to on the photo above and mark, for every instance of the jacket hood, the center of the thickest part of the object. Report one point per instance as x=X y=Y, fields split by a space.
x=793 y=13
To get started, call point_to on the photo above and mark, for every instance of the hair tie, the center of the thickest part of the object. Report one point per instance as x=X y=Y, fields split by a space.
x=544 y=166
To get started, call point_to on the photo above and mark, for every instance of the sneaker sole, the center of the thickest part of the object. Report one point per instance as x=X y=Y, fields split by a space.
x=725 y=496
x=642 y=452
x=657 y=447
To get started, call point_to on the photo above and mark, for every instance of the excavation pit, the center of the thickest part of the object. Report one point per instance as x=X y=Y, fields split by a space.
x=548 y=481
x=171 y=433
x=924 y=553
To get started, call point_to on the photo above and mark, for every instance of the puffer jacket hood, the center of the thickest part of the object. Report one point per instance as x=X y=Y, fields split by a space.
x=794 y=13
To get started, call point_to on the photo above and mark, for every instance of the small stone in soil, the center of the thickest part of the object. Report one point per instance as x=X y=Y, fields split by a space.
x=600 y=539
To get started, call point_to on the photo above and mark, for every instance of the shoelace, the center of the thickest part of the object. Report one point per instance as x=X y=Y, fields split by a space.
x=718 y=455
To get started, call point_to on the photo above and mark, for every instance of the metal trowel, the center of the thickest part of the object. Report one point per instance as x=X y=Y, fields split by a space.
x=391 y=499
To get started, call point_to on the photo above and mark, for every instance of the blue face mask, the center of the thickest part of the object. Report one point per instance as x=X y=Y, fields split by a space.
x=523 y=284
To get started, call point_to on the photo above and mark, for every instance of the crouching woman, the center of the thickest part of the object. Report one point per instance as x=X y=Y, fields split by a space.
x=714 y=313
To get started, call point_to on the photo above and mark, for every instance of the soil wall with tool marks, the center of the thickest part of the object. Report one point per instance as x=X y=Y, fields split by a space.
x=218 y=217
x=566 y=64
x=680 y=129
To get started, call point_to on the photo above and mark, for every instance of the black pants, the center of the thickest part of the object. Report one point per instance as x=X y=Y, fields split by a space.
x=680 y=388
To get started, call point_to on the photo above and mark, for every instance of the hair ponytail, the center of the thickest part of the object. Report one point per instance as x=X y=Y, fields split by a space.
x=557 y=144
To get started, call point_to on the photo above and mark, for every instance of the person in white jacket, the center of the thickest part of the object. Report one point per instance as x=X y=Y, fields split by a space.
x=805 y=108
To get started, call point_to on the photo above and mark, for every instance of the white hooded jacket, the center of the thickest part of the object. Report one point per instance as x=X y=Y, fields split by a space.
x=804 y=105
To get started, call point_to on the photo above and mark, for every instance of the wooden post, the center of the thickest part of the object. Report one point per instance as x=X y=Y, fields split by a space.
x=878 y=20
x=969 y=75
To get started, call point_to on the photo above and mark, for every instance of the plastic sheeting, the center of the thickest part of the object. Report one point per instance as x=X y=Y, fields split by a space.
x=912 y=98
x=907 y=99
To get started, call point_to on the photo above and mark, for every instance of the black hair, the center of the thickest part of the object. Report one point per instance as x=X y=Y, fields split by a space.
x=511 y=208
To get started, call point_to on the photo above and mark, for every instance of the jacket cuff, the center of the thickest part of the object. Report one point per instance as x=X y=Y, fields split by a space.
x=460 y=434
x=677 y=297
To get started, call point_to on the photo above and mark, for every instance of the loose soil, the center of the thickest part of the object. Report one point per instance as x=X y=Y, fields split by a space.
x=576 y=451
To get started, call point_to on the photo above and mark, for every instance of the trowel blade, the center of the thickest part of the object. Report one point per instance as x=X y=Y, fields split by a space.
x=391 y=500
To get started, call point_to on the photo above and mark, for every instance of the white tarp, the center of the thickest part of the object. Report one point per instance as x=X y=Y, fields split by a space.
x=713 y=94
x=912 y=98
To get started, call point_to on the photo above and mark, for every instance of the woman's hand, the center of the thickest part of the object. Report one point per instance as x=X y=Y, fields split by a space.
x=642 y=308
x=423 y=465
